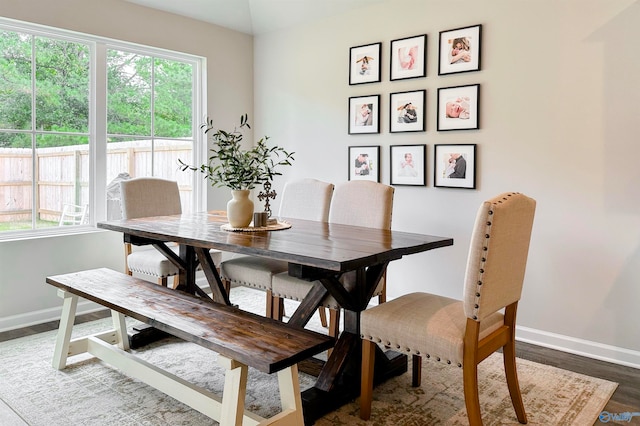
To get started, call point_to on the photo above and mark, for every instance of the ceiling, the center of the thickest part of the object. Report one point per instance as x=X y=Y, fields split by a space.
x=256 y=16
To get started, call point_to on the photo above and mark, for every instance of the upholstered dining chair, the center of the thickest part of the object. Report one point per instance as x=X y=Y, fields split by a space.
x=462 y=333
x=307 y=199
x=145 y=197
x=359 y=203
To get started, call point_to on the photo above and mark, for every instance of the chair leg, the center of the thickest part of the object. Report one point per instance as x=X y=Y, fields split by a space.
x=334 y=322
x=416 y=370
x=334 y=326
x=277 y=307
x=471 y=398
x=382 y=297
x=510 y=371
x=366 y=383
x=470 y=372
x=164 y=282
x=323 y=316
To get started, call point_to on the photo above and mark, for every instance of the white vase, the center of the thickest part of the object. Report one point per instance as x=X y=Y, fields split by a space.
x=240 y=209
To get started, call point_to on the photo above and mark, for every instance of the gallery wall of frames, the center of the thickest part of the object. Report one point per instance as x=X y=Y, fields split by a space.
x=457 y=108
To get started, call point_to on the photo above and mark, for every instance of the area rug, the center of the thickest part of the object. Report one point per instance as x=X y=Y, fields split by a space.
x=89 y=392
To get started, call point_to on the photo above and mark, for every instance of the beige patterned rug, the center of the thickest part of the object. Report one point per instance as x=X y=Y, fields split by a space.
x=89 y=392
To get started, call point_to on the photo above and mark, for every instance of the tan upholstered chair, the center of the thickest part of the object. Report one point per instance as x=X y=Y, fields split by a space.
x=307 y=199
x=146 y=197
x=462 y=333
x=359 y=203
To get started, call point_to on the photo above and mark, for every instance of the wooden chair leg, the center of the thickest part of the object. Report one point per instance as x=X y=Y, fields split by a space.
x=270 y=313
x=164 y=282
x=510 y=371
x=416 y=370
x=470 y=372
x=471 y=398
x=382 y=297
x=323 y=316
x=277 y=307
x=334 y=322
x=366 y=383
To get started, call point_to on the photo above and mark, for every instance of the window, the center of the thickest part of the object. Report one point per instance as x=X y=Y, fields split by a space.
x=77 y=114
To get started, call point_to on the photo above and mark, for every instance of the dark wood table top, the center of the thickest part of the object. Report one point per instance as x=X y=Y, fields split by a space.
x=320 y=245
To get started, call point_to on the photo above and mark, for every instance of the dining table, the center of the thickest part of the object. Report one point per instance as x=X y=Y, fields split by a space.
x=346 y=262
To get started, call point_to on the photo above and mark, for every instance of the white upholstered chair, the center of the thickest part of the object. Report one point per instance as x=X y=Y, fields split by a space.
x=462 y=333
x=146 y=197
x=359 y=203
x=306 y=199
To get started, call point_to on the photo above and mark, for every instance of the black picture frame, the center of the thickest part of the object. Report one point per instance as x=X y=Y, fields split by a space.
x=408 y=58
x=364 y=114
x=459 y=108
x=407 y=111
x=365 y=63
x=364 y=163
x=460 y=50
x=408 y=165
x=454 y=166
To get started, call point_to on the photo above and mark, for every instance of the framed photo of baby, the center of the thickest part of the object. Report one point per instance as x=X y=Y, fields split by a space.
x=408 y=164
x=408 y=57
x=407 y=111
x=454 y=166
x=364 y=114
x=458 y=108
x=459 y=50
x=364 y=163
x=364 y=64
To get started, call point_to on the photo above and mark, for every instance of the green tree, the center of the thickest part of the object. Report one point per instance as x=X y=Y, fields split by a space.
x=62 y=83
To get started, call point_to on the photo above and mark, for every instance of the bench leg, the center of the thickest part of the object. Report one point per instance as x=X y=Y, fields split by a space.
x=235 y=389
x=120 y=326
x=290 y=396
x=64 y=330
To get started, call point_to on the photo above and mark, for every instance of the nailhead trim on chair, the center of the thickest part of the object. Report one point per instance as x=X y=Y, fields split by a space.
x=487 y=236
x=408 y=350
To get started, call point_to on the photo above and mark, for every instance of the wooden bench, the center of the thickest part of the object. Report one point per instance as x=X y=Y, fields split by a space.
x=240 y=338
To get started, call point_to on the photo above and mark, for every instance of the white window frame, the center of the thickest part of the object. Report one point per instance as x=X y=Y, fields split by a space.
x=98 y=120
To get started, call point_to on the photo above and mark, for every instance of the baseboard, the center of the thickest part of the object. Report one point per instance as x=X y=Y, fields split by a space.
x=43 y=316
x=586 y=348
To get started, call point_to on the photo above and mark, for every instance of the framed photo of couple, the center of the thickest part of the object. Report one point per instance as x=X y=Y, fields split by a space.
x=364 y=163
x=364 y=114
x=459 y=50
x=407 y=111
x=454 y=166
x=364 y=64
x=408 y=164
x=458 y=108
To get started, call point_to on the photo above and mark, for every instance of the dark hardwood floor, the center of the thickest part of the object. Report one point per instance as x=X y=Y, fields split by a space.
x=626 y=398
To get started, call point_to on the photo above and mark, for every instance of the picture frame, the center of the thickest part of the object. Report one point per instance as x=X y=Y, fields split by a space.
x=407 y=111
x=454 y=166
x=365 y=63
x=460 y=50
x=364 y=163
x=408 y=164
x=408 y=58
x=364 y=114
x=458 y=108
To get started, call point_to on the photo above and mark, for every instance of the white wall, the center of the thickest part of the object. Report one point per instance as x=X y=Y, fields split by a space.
x=24 y=265
x=559 y=109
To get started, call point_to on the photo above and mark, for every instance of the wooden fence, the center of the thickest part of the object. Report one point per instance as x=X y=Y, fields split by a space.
x=62 y=175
